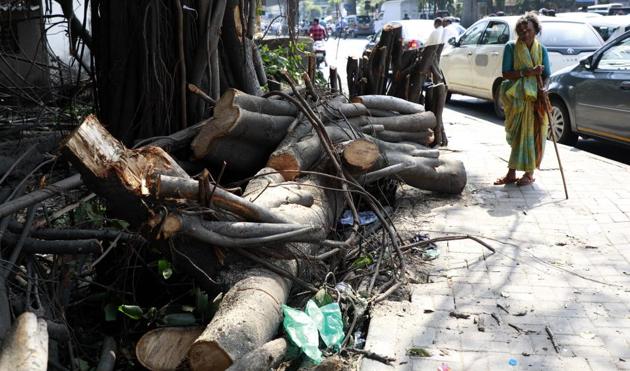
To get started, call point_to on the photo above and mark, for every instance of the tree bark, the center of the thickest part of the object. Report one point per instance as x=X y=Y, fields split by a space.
x=166 y=348
x=387 y=103
x=264 y=358
x=237 y=50
x=26 y=348
x=437 y=94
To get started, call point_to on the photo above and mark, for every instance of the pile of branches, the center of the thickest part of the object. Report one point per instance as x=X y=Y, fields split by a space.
x=247 y=202
x=388 y=68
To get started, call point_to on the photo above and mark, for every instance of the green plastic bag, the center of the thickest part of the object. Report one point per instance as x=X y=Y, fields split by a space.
x=329 y=322
x=302 y=331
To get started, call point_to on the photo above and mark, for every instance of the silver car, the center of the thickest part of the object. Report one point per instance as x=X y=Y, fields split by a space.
x=592 y=99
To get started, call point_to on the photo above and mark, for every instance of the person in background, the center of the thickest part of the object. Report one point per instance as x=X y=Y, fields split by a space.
x=524 y=60
x=317 y=32
x=406 y=16
x=435 y=38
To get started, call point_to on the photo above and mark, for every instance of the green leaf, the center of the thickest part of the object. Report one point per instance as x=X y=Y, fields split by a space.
x=165 y=268
x=322 y=298
x=131 y=311
x=201 y=302
x=418 y=352
x=179 y=319
x=362 y=261
x=110 y=312
x=81 y=364
x=119 y=223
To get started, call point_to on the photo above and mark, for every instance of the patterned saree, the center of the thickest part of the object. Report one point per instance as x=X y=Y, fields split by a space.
x=525 y=121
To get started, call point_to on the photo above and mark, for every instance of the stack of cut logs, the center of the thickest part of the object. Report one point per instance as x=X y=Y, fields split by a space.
x=304 y=155
x=389 y=68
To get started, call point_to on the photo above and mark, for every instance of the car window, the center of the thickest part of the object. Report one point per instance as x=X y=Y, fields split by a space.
x=606 y=31
x=567 y=34
x=363 y=19
x=496 y=33
x=472 y=35
x=617 y=57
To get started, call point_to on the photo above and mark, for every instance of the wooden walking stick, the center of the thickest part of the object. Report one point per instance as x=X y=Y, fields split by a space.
x=547 y=105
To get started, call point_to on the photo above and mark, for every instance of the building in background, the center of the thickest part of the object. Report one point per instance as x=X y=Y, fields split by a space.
x=23 y=48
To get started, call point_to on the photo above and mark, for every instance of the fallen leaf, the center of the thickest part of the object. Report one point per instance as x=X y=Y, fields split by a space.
x=418 y=352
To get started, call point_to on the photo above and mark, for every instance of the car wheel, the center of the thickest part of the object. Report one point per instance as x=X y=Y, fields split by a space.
x=498 y=106
x=560 y=123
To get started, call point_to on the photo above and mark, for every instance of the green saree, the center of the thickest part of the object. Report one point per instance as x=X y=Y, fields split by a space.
x=525 y=131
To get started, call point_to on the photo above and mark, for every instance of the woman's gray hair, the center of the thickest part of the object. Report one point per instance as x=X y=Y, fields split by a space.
x=530 y=17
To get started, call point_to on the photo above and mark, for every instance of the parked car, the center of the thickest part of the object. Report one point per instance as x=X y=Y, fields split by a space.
x=610 y=28
x=360 y=25
x=578 y=15
x=473 y=66
x=604 y=9
x=592 y=99
x=415 y=33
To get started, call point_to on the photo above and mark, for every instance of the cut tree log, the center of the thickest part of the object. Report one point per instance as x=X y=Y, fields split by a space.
x=431 y=174
x=242 y=138
x=233 y=97
x=164 y=349
x=26 y=347
x=412 y=122
x=302 y=149
x=264 y=358
x=118 y=174
x=387 y=103
x=424 y=137
x=359 y=155
x=248 y=316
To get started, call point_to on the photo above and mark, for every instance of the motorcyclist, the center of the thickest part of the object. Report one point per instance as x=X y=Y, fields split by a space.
x=341 y=27
x=317 y=32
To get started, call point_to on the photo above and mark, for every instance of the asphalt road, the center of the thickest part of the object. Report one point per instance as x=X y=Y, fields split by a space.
x=337 y=52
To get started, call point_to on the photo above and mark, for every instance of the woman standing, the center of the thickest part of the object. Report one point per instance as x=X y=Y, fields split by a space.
x=524 y=61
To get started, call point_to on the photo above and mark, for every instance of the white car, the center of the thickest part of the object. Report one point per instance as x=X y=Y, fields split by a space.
x=610 y=27
x=473 y=66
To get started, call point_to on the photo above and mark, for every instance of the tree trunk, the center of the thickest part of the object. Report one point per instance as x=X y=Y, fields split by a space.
x=437 y=94
x=237 y=51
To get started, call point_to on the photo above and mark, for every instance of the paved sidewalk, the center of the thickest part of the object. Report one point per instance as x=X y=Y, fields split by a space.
x=560 y=263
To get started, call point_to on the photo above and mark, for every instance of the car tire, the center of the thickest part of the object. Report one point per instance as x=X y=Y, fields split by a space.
x=560 y=123
x=496 y=101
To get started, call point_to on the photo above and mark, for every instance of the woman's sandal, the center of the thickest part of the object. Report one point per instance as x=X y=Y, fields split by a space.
x=505 y=180
x=526 y=179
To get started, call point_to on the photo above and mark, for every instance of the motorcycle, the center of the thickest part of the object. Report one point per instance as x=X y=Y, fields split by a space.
x=319 y=48
x=342 y=32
